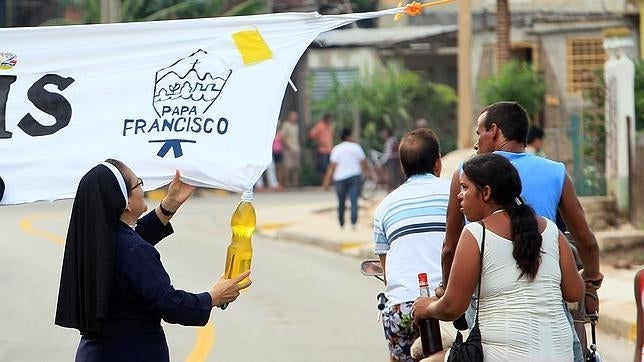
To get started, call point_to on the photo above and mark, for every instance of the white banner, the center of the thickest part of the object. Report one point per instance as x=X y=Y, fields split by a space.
x=199 y=95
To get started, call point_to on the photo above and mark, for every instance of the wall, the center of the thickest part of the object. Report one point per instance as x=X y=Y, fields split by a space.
x=364 y=59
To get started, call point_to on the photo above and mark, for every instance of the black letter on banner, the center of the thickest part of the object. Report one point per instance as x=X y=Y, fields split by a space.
x=5 y=85
x=51 y=103
x=223 y=123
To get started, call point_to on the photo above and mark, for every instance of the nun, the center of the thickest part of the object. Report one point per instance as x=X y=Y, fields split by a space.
x=113 y=287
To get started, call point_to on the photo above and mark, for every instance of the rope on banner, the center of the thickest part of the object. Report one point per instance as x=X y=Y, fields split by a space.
x=416 y=8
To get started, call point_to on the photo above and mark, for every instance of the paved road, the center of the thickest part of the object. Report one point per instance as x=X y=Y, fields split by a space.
x=306 y=304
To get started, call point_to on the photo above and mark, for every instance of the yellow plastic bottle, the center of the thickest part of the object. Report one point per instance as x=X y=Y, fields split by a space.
x=240 y=250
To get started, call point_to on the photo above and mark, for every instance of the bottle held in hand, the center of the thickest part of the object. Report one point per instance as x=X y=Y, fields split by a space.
x=430 y=331
x=240 y=250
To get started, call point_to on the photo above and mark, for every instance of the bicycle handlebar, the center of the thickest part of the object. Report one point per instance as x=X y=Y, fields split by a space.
x=382 y=300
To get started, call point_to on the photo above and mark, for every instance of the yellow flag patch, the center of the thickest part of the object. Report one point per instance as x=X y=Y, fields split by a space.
x=252 y=46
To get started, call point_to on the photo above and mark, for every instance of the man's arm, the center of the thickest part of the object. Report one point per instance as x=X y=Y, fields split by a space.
x=575 y=219
x=455 y=223
x=383 y=259
x=327 y=176
x=313 y=132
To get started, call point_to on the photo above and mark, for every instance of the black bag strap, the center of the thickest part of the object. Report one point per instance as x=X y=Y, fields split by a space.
x=478 y=293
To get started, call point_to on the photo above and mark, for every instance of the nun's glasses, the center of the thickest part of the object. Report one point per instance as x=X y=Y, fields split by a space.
x=138 y=183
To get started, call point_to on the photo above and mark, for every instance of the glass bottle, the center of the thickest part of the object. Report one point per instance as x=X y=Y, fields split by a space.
x=429 y=329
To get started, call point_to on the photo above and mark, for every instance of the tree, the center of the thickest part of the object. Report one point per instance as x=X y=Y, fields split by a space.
x=392 y=98
x=148 y=10
x=639 y=96
x=515 y=81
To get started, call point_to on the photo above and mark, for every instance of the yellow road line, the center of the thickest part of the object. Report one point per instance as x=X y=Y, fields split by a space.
x=352 y=245
x=273 y=226
x=26 y=224
x=632 y=333
x=204 y=344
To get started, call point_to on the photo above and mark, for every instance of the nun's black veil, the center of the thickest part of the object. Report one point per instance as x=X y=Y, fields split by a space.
x=88 y=262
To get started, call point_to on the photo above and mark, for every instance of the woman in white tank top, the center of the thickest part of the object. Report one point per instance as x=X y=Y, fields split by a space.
x=527 y=269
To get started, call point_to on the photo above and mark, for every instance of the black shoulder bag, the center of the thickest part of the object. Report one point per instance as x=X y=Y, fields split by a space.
x=471 y=350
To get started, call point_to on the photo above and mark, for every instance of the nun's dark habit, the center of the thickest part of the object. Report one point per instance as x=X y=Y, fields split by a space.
x=1 y=188
x=113 y=287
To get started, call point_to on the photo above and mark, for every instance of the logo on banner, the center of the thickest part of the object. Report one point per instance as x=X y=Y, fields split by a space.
x=183 y=93
x=182 y=84
x=8 y=61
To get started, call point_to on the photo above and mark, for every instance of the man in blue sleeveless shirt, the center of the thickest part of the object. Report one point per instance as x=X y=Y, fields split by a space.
x=502 y=128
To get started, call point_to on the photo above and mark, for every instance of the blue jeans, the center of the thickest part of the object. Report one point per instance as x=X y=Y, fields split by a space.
x=322 y=163
x=578 y=354
x=350 y=186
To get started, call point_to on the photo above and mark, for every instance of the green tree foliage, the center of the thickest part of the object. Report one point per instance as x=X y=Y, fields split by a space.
x=639 y=96
x=391 y=98
x=517 y=82
x=148 y=10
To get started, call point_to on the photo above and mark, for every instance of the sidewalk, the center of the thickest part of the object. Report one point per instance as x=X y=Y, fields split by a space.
x=315 y=223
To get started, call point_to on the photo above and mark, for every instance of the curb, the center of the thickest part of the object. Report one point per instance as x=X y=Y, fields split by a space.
x=617 y=327
x=364 y=250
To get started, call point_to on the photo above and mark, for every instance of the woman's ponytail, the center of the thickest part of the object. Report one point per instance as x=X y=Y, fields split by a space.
x=526 y=238
x=503 y=179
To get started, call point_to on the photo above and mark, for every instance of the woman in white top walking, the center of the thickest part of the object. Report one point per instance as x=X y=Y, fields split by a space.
x=527 y=270
x=347 y=162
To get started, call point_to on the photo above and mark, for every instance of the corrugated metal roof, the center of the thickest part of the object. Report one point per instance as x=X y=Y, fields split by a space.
x=380 y=36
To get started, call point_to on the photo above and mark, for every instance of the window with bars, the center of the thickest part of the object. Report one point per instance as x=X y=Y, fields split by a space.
x=325 y=79
x=584 y=56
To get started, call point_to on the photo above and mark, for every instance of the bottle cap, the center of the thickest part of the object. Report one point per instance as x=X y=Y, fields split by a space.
x=247 y=196
x=422 y=279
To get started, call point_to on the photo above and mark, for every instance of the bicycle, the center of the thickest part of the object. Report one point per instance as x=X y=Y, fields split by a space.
x=371 y=180
x=581 y=318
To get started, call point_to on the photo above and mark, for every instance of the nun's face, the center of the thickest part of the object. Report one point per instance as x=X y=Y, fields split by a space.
x=136 y=203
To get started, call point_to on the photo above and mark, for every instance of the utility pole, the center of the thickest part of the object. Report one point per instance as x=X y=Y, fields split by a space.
x=110 y=11
x=465 y=113
x=503 y=24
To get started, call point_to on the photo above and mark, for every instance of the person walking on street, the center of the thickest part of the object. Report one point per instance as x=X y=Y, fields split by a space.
x=391 y=160
x=523 y=267
x=322 y=134
x=502 y=129
x=113 y=286
x=408 y=229
x=290 y=132
x=271 y=172
x=347 y=163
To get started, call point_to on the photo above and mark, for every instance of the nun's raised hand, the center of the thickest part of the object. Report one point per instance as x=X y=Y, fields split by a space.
x=178 y=193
